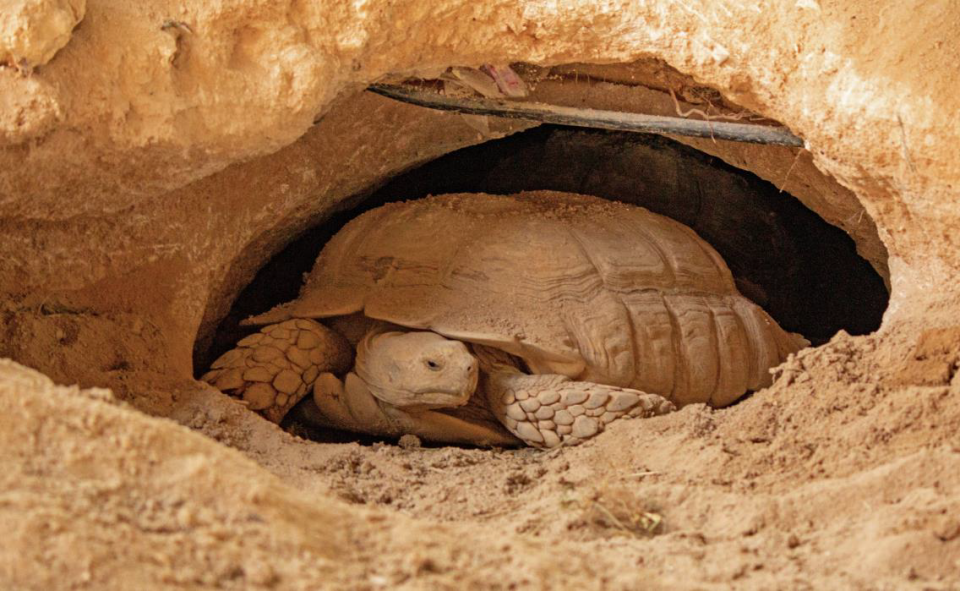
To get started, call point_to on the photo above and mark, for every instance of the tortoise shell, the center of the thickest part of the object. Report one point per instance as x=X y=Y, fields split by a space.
x=592 y=289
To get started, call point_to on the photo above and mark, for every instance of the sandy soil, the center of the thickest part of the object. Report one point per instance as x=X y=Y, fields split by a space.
x=844 y=474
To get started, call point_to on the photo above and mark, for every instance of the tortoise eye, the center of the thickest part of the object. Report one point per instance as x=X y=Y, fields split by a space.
x=433 y=365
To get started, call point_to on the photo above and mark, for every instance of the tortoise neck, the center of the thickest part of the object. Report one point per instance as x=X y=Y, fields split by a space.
x=498 y=370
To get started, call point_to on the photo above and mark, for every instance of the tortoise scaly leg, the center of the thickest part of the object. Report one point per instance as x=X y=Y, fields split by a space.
x=275 y=368
x=550 y=410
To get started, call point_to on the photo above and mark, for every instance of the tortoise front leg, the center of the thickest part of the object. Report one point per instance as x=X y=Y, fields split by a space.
x=549 y=410
x=275 y=368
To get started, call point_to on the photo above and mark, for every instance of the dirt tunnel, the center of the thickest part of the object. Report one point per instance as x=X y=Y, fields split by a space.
x=802 y=270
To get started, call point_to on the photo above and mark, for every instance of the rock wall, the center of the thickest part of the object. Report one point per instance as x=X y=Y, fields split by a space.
x=145 y=100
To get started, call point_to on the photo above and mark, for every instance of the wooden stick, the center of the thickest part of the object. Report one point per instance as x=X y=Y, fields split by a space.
x=614 y=120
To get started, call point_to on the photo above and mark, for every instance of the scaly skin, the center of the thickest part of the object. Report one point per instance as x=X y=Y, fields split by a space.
x=275 y=368
x=551 y=410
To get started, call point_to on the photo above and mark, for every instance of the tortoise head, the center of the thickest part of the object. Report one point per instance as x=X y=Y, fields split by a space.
x=417 y=369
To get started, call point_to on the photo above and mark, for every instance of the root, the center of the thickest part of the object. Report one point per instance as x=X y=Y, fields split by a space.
x=789 y=170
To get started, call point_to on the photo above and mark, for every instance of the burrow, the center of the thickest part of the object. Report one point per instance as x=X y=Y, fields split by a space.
x=813 y=277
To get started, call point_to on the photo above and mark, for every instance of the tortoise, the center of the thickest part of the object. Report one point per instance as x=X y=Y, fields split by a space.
x=533 y=318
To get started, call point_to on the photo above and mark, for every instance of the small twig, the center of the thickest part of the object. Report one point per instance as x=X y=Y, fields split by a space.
x=601 y=119
x=903 y=142
x=640 y=474
x=653 y=520
x=609 y=515
x=721 y=116
x=859 y=218
x=554 y=451
x=789 y=170
x=491 y=514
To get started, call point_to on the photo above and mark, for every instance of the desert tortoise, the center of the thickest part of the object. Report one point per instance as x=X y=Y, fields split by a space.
x=572 y=309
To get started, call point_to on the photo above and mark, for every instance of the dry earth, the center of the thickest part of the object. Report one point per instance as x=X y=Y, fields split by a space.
x=153 y=160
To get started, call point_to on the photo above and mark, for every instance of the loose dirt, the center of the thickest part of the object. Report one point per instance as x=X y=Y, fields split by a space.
x=844 y=474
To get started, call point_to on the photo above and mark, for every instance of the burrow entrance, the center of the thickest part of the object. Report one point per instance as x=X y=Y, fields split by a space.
x=805 y=272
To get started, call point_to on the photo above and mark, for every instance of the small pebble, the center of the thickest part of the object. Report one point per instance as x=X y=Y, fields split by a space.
x=311 y=374
x=564 y=429
x=546 y=425
x=607 y=417
x=282 y=399
x=660 y=405
x=409 y=441
x=576 y=410
x=522 y=394
x=508 y=397
x=596 y=412
x=304 y=324
x=563 y=417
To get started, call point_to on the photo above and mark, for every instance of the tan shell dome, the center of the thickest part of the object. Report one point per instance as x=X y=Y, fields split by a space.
x=577 y=285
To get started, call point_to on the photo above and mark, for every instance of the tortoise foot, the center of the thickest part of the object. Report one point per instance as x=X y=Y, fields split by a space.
x=273 y=369
x=548 y=411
